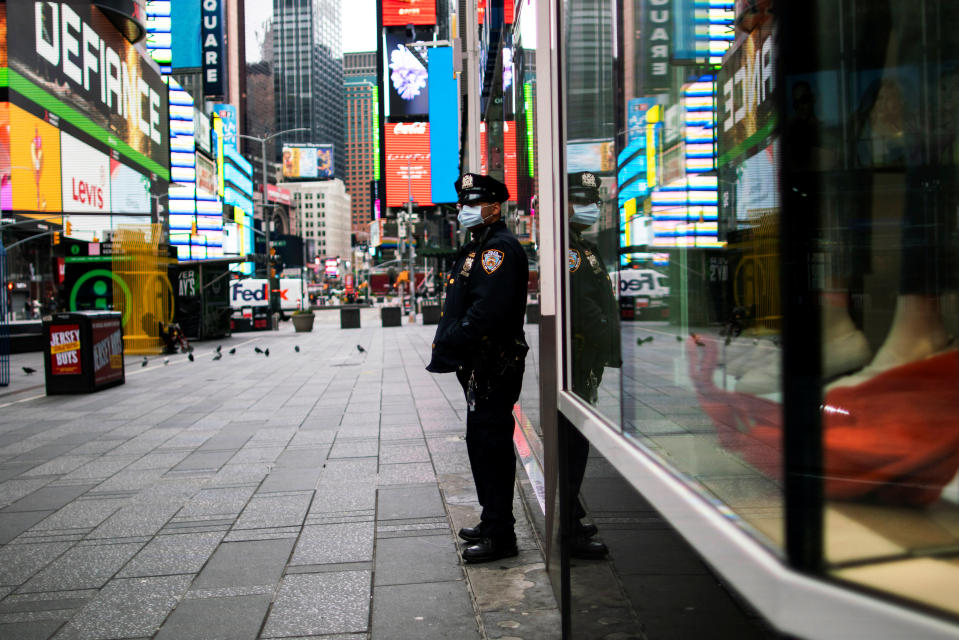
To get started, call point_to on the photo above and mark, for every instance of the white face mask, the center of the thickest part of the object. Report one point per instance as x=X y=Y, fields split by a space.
x=585 y=214
x=470 y=216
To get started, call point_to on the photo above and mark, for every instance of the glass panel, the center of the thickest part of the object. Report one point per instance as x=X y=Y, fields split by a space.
x=591 y=206
x=698 y=270
x=871 y=126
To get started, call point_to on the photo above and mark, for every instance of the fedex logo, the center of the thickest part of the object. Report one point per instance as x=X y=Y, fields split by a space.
x=255 y=292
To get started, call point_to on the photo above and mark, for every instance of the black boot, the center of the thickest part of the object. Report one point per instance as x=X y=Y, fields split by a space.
x=583 y=547
x=489 y=549
x=472 y=534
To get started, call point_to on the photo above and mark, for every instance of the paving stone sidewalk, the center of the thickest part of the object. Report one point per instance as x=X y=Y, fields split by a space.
x=310 y=494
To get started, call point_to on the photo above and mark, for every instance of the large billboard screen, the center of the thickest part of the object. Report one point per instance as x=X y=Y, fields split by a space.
x=85 y=177
x=406 y=76
x=69 y=59
x=313 y=162
x=444 y=126
x=404 y=12
x=34 y=163
x=407 y=163
x=129 y=189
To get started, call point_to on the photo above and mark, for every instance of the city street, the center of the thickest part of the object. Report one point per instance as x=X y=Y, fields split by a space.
x=310 y=491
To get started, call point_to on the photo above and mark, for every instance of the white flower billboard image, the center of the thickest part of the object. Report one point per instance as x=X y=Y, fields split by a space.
x=407 y=74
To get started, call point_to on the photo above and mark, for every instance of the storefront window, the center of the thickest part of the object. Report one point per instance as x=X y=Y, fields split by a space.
x=717 y=201
x=673 y=242
x=871 y=140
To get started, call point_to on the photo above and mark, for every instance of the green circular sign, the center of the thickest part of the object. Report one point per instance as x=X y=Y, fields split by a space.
x=100 y=288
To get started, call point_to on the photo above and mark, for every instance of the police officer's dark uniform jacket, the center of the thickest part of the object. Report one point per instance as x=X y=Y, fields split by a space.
x=480 y=338
x=595 y=317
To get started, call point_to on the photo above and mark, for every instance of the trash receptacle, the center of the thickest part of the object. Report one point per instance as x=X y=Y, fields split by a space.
x=83 y=351
x=349 y=317
x=431 y=313
x=391 y=316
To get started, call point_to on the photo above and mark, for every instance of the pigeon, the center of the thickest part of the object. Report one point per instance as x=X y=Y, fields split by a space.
x=360 y=348
x=190 y=356
x=166 y=361
x=217 y=355
x=642 y=341
x=144 y=362
x=218 y=347
x=258 y=350
x=232 y=351
x=28 y=370
x=296 y=348
x=699 y=341
x=267 y=352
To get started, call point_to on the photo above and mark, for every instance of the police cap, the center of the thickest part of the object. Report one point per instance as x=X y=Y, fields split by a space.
x=583 y=187
x=473 y=187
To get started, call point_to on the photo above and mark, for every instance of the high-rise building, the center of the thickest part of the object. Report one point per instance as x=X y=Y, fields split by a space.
x=359 y=73
x=323 y=216
x=308 y=74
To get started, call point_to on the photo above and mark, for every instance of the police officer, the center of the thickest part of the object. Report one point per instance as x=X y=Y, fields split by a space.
x=480 y=337
x=596 y=340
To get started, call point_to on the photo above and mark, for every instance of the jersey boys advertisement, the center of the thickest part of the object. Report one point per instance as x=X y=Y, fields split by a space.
x=65 y=350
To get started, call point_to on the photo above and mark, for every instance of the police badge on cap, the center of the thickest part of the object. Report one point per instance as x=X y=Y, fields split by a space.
x=583 y=186
x=473 y=187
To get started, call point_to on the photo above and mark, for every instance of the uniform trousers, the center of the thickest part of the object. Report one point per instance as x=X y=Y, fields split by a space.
x=489 y=443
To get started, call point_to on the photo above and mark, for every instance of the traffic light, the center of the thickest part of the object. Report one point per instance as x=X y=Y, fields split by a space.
x=193 y=228
x=68 y=228
x=56 y=237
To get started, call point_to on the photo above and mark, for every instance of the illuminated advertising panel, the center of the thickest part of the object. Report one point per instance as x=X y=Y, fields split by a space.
x=596 y=156
x=746 y=100
x=407 y=163
x=34 y=163
x=407 y=78
x=205 y=175
x=72 y=51
x=509 y=159
x=129 y=190
x=228 y=115
x=310 y=162
x=444 y=126
x=85 y=177
x=213 y=49
x=159 y=41
x=404 y=12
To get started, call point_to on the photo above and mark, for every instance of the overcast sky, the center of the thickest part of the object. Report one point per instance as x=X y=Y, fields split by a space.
x=358 y=18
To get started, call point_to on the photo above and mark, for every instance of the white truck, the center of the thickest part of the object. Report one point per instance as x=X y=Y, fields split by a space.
x=643 y=292
x=254 y=292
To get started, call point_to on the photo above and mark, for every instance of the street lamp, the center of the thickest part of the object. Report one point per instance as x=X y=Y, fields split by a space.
x=266 y=222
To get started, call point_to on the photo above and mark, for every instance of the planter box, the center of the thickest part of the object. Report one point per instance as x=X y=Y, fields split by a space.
x=349 y=317
x=303 y=322
x=432 y=313
x=391 y=316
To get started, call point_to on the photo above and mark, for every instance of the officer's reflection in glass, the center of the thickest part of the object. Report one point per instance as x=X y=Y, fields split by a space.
x=595 y=340
x=480 y=337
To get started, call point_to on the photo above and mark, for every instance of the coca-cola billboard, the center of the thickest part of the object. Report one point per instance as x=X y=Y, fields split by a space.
x=407 y=163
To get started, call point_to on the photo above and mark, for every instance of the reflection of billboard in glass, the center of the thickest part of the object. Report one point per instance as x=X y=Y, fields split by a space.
x=85 y=177
x=404 y=12
x=308 y=162
x=34 y=162
x=129 y=189
x=406 y=77
x=407 y=163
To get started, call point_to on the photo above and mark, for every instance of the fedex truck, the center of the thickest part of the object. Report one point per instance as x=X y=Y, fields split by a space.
x=254 y=292
x=643 y=293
